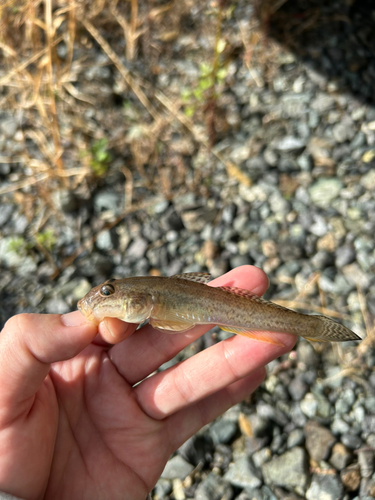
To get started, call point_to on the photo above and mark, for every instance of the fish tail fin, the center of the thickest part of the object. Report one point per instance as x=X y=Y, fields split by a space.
x=329 y=330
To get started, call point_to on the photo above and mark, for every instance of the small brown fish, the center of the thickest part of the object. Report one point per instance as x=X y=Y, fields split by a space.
x=180 y=302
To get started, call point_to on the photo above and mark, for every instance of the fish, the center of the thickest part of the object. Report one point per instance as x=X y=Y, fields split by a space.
x=178 y=303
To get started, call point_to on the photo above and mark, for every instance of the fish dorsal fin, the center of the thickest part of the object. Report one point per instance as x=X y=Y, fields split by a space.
x=260 y=336
x=171 y=325
x=197 y=277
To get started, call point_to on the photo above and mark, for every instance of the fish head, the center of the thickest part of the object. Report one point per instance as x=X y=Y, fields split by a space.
x=116 y=299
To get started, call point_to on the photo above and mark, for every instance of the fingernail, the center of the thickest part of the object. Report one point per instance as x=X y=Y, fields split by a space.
x=74 y=318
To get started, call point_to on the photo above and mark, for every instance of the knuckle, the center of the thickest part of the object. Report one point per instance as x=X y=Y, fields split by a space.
x=184 y=387
x=19 y=322
x=230 y=361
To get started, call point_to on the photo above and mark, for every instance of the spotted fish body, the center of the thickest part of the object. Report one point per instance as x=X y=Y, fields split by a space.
x=183 y=301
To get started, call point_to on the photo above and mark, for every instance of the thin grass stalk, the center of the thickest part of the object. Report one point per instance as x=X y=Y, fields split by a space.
x=54 y=128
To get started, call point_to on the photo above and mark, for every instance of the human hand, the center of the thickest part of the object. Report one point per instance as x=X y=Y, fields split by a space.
x=72 y=424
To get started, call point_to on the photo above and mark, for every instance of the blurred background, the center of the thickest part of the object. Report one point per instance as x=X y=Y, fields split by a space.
x=164 y=137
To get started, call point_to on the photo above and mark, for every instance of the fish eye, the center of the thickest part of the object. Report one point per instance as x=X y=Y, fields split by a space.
x=107 y=290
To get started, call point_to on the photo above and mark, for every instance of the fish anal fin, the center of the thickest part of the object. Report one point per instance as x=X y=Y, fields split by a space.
x=315 y=340
x=261 y=336
x=197 y=277
x=171 y=325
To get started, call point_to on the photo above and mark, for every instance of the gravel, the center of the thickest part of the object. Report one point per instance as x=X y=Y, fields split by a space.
x=289 y=470
x=243 y=474
x=177 y=468
x=325 y=486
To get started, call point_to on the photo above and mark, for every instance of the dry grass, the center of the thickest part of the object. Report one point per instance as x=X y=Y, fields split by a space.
x=40 y=86
x=46 y=46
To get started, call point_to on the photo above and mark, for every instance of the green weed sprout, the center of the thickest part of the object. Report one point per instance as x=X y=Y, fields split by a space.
x=46 y=239
x=100 y=157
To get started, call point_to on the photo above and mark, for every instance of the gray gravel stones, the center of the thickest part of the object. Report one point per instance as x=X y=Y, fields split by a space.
x=324 y=191
x=319 y=441
x=104 y=241
x=340 y=456
x=368 y=180
x=322 y=103
x=297 y=388
x=137 y=249
x=243 y=474
x=289 y=470
x=213 y=487
x=344 y=255
x=307 y=355
x=366 y=460
x=8 y=127
x=351 y=441
x=5 y=213
x=289 y=143
x=163 y=488
x=343 y=131
x=13 y=257
x=177 y=468
x=57 y=306
x=325 y=486
x=309 y=405
x=295 y=438
x=107 y=201
x=222 y=431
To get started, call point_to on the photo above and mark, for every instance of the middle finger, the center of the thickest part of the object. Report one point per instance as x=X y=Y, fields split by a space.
x=205 y=373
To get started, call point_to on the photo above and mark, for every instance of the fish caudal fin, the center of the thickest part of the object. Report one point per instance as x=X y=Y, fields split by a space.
x=329 y=330
x=261 y=336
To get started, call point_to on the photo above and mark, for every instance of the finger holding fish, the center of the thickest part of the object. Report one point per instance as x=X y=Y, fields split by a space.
x=114 y=331
x=206 y=373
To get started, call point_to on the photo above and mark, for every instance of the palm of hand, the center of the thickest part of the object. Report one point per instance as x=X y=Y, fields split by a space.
x=106 y=445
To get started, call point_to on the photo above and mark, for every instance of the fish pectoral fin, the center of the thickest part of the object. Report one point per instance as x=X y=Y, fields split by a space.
x=261 y=336
x=171 y=325
x=197 y=277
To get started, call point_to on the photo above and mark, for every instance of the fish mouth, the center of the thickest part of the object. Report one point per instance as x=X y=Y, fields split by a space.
x=86 y=310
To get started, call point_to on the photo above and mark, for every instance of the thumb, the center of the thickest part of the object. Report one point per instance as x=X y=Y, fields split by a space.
x=28 y=344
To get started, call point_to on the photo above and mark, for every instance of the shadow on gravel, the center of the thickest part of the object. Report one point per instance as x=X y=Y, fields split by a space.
x=336 y=39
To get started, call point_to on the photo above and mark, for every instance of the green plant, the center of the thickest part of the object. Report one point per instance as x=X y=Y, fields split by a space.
x=46 y=239
x=100 y=156
x=17 y=245
x=210 y=75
